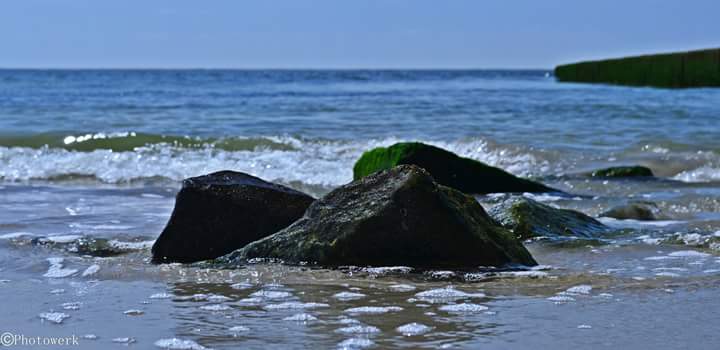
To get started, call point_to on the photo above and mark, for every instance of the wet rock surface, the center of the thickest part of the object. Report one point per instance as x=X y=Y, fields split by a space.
x=399 y=216
x=217 y=213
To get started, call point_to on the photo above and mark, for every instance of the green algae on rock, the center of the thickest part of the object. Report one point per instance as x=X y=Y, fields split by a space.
x=217 y=213
x=623 y=171
x=698 y=68
x=528 y=219
x=399 y=216
x=447 y=168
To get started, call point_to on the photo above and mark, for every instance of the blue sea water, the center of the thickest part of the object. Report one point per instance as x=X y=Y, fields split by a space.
x=99 y=154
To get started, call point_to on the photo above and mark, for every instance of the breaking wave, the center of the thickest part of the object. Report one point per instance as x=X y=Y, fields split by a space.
x=125 y=157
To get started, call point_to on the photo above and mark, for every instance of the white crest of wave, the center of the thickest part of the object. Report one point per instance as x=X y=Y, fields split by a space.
x=311 y=162
x=701 y=174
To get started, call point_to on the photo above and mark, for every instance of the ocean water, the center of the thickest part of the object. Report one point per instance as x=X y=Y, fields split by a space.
x=99 y=154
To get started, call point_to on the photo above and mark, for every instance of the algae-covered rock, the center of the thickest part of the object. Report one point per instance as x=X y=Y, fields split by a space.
x=447 y=168
x=623 y=171
x=528 y=218
x=217 y=213
x=399 y=216
x=636 y=211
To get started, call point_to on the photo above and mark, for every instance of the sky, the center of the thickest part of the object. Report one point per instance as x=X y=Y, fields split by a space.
x=345 y=33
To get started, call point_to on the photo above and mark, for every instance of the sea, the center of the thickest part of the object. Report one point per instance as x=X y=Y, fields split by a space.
x=88 y=155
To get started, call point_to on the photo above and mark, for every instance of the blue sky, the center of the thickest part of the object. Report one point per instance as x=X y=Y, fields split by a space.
x=346 y=33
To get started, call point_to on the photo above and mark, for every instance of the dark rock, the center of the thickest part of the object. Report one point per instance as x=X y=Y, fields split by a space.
x=623 y=171
x=636 y=211
x=217 y=213
x=399 y=216
x=447 y=168
x=528 y=218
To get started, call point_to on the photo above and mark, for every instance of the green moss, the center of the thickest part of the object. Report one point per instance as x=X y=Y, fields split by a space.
x=447 y=168
x=671 y=70
x=623 y=171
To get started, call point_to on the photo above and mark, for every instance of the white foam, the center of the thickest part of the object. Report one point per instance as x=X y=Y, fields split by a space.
x=218 y=298
x=161 y=296
x=57 y=291
x=15 y=235
x=584 y=326
x=178 y=344
x=271 y=294
x=561 y=299
x=667 y=274
x=91 y=270
x=301 y=317
x=358 y=329
x=238 y=329
x=580 y=289
x=412 y=329
x=123 y=340
x=402 y=288
x=56 y=269
x=63 y=238
x=241 y=286
x=133 y=312
x=355 y=343
x=75 y=305
x=463 y=308
x=348 y=296
x=294 y=305
x=313 y=162
x=388 y=270
x=373 y=309
x=445 y=294
x=54 y=317
x=144 y=245
x=688 y=254
x=524 y=274
x=215 y=307
x=701 y=174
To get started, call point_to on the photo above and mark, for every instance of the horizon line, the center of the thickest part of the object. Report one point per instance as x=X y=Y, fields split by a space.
x=280 y=68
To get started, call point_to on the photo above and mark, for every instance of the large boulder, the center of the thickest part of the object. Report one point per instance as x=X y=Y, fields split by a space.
x=623 y=171
x=528 y=219
x=399 y=216
x=447 y=168
x=640 y=210
x=217 y=213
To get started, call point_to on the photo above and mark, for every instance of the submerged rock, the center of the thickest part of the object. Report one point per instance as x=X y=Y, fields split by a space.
x=399 y=216
x=528 y=218
x=623 y=171
x=635 y=211
x=88 y=246
x=217 y=213
x=447 y=168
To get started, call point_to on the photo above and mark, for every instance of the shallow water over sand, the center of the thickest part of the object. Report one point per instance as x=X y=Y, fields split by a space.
x=115 y=154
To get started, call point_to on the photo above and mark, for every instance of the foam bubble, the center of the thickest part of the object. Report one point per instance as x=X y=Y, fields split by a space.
x=402 y=288
x=271 y=294
x=56 y=269
x=580 y=289
x=123 y=340
x=238 y=329
x=463 y=308
x=561 y=299
x=161 y=296
x=134 y=312
x=292 y=305
x=301 y=317
x=688 y=254
x=358 y=329
x=178 y=344
x=91 y=270
x=412 y=329
x=54 y=317
x=445 y=294
x=348 y=296
x=355 y=343
x=215 y=307
x=373 y=309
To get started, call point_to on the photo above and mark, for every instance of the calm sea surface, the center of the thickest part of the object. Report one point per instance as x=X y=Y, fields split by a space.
x=99 y=154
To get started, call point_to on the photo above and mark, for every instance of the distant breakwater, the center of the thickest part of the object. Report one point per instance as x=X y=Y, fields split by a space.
x=699 y=68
